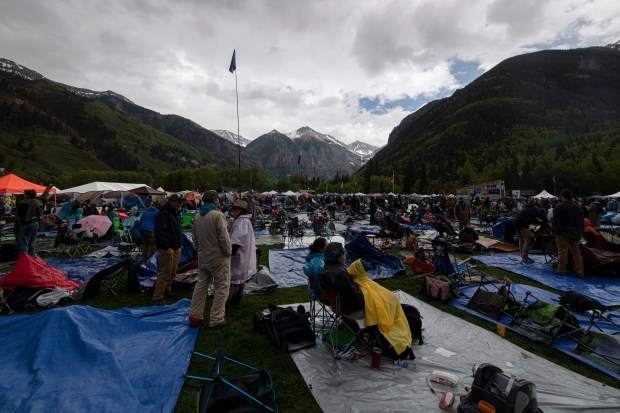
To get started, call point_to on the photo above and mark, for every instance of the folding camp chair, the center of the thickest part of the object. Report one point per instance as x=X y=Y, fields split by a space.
x=295 y=236
x=127 y=244
x=251 y=393
x=559 y=324
x=446 y=263
x=67 y=243
x=320 y=313
x=110 y=278
x=345 y=330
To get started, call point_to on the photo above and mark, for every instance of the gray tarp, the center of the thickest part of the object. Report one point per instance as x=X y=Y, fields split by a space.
x=452 y=345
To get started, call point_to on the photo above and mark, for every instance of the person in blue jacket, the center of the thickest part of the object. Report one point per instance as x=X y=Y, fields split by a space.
x=315 y=261
x=147 y=231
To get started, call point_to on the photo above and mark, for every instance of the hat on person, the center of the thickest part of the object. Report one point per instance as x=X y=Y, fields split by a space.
x=332 y=251
x=175 y=198
x=240 y=203
x=209 y=196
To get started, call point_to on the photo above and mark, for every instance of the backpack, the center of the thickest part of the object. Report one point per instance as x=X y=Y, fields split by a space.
x=495 y=391
x=415 y=321
x=286 y=327
x=578 y=302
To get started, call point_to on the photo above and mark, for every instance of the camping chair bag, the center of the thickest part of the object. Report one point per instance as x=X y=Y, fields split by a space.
x=438 y=289
x=489 y=303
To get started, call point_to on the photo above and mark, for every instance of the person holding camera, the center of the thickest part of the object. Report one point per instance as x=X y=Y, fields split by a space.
x=28 y=212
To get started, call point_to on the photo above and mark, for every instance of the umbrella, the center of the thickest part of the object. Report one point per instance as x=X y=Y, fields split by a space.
x=97 y=224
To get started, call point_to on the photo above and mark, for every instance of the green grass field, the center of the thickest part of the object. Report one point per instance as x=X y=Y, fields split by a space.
x=293 y=395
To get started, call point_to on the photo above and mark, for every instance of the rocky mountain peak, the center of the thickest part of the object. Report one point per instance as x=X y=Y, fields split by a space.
x=10 y=66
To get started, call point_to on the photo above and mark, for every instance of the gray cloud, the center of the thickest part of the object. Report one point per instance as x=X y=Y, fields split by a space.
x=299 y=63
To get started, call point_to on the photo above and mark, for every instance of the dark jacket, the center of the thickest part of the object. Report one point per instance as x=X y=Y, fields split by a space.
x=29 y=210
x=529 y=215
x=568 y=220
x=168 y=230
x=336 y=278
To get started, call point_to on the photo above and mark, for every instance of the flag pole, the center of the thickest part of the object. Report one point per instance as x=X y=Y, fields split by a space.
x=238 y=136
x=233 y=69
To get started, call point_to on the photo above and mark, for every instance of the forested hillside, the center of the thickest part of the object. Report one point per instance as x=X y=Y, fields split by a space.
x=531 y=118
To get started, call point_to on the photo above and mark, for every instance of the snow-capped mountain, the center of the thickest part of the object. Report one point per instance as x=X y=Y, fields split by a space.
x=231 y=137
x=306 y=132
x=11 y=67
x=364 y=150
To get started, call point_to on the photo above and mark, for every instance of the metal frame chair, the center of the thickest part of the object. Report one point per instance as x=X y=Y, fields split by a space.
x=356 y=328
x=447 y=264
x=65 y=244
x=321 y=314
x=295 y=236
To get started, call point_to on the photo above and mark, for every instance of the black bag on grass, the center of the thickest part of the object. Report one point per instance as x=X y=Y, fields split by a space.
x=578 y=302
x=286 y=327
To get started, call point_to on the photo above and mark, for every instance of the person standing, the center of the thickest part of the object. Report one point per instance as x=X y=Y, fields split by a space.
x=527 y=216
x=147 y=231
x=168 y=243
x=567 y=226
x=595 y=212
x=243 y=263
x=210 y=235
x=28 y=212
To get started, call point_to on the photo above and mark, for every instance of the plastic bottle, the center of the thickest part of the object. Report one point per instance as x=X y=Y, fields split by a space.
x=401 y=363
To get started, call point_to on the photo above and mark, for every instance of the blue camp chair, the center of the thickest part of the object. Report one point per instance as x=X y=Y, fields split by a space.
x=252 y=392
x=446 y=264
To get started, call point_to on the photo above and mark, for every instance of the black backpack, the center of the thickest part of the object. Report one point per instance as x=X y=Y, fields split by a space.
x=286 y=327
x=580 y=303
x=415 y=321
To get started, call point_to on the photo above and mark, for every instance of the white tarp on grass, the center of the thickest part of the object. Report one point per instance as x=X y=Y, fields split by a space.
x=452 y=345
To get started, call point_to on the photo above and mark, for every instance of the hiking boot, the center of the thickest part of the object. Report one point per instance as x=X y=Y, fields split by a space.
x=194 y=322
x=225 y=323
x=528 y=260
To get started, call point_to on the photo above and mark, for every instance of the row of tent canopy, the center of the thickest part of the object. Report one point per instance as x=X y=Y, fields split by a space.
x=13 y=184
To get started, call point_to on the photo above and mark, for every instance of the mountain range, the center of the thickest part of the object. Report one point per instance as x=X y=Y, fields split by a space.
x=106 y=131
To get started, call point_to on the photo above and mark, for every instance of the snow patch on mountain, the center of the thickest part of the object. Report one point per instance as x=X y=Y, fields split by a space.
x=232 y=137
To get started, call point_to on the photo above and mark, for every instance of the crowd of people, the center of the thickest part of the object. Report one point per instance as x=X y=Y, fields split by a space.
x=223 y=233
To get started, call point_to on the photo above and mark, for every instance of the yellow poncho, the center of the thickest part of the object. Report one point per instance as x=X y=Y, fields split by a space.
x=382 y=309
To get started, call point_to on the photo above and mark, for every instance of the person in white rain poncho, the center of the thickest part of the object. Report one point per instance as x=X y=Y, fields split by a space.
x=243 y=264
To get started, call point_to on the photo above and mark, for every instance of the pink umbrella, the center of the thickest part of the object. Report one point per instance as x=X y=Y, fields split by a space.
x=97 y=224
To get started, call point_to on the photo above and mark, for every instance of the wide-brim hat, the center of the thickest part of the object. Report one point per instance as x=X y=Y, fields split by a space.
x=240 y=203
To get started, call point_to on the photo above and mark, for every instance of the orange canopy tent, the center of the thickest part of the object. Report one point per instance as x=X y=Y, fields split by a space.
x=13 y=184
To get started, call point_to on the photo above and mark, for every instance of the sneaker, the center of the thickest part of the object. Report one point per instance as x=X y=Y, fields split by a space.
x=528 y=260
x=194 y=322
x=226 y=323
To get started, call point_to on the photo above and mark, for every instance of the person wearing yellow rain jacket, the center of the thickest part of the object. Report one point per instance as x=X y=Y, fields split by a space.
x=382 y=309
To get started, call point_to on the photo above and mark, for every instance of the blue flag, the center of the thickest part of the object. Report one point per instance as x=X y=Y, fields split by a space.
x=233 y=63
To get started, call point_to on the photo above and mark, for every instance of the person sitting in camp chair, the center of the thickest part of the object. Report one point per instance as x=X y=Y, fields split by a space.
x=334 y=277
x=382 y=309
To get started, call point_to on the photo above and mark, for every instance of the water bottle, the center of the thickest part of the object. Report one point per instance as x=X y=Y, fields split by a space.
x=401 y=363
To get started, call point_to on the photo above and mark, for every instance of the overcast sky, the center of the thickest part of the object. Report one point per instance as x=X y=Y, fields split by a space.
x=350 y=68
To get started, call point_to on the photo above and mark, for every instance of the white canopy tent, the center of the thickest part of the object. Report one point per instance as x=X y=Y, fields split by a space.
x=544 y=194
x=616 y=195
x=100 y=186
x=291 y=193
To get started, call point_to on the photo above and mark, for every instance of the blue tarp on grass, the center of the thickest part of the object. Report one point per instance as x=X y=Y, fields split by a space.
x=83 y=359
x=604 y=288
x=82 y=269
x=286 y=265
x=565 y=345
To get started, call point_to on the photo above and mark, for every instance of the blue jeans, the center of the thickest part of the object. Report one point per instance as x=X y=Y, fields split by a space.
x=26 y=236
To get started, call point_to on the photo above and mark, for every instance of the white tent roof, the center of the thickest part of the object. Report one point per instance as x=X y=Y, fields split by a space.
x=290 y=193
x=544 y=194
x=100 y=186
x=359 y=194
x=616 y=195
